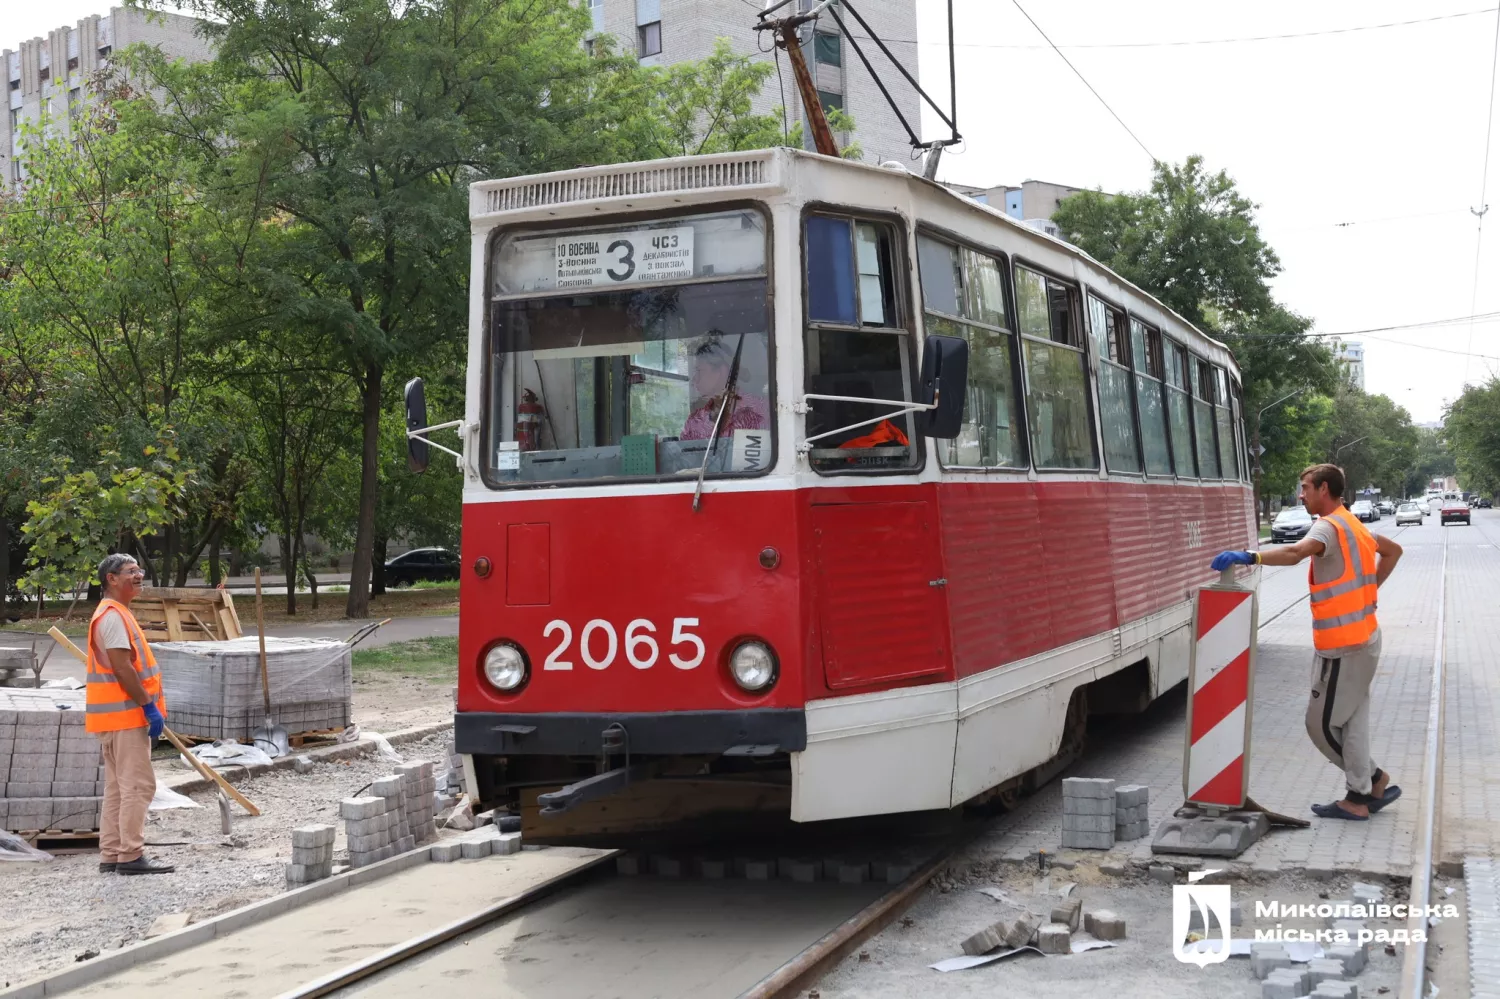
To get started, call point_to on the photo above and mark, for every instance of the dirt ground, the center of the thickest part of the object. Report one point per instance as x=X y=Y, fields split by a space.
x=52 y=913
x=895 y=962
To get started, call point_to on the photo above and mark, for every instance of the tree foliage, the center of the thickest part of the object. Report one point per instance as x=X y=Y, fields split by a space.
x=1471 y=431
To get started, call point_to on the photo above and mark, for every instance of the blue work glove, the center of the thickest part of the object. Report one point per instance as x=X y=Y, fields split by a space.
x=1224 y=560
x=155 y=722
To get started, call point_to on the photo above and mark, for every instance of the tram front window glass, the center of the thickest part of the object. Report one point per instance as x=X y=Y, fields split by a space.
x=856 y=348
x=1116 y=404
x=610 y=356
x=963 y=296
x=1057 y=403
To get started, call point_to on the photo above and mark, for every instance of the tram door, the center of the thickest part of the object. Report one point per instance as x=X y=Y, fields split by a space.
x=881 y=608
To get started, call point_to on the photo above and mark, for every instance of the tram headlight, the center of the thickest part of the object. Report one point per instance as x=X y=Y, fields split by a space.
x=505 y=667
x=753 y=666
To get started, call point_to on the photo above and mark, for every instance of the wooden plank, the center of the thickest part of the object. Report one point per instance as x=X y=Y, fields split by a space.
x=174 y=620
x=231 y=619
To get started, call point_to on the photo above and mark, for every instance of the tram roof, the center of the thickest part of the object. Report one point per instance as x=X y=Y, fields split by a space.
x=687 y=181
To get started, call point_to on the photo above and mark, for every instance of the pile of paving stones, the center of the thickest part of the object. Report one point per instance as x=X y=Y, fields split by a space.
x=1097 y=813
x=1051 y=937
x=392 y=818
x=481 y=842
x=1327 y=977
x=312 y=854
x=51 y=772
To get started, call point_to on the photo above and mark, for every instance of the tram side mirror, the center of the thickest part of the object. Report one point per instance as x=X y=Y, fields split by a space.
x=416 y=419
x=945 y=382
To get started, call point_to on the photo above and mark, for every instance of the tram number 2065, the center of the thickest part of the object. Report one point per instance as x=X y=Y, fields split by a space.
x=641 y=648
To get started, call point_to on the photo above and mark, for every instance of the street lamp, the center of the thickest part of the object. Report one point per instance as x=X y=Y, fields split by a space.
x=1350 y=444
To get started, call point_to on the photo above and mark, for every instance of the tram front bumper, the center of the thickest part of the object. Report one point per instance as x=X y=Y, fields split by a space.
x=751 y=731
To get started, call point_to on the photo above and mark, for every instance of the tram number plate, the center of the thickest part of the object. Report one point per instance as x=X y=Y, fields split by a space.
x=587 y=260
x=599 y=644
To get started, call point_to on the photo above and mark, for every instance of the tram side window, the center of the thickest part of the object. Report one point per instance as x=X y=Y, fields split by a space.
x=856 y=347
x=1116 y=403
x=1203 y=418
x=1241 y=445
x=1179 y=412
x=1224 y=419
x=963 y=295
x=1146 y=348
x=1057 y=408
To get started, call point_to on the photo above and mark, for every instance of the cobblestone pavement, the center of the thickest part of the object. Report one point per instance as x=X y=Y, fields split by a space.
x=1471 y=758
x=1287 y=774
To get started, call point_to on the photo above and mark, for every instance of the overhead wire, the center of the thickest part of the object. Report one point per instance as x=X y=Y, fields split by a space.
x=1086 y=83
x=1484 y=177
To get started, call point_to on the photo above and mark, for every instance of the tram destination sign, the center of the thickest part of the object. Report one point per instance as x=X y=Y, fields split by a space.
x=601 y=259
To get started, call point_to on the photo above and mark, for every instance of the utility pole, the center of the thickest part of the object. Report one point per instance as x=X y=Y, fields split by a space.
x=786 y=31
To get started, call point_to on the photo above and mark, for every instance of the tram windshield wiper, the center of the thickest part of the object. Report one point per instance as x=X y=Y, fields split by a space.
x=726 y=406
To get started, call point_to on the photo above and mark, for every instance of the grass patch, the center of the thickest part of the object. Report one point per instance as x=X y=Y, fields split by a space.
x=431 y=659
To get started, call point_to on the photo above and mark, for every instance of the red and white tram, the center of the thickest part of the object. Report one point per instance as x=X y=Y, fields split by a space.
x=707 y=545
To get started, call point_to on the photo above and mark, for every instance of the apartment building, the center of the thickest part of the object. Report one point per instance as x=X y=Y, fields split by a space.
x=662 y=32
x=52 y=78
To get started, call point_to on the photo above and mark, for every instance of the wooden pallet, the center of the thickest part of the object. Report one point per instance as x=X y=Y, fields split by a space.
x=299 y=739
x=186 y=614
x=53 y=840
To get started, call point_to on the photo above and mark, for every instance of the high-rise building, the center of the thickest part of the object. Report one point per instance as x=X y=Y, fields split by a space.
x=663 y=32
x=1351 y=357
x=53 y=77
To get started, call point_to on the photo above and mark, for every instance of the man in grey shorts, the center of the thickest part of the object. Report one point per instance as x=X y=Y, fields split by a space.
x=1348 y=565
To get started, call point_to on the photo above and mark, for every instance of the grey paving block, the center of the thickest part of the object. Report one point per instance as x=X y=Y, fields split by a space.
x=1076 y=840
x=507 y=843
x=1055 y=938
x=1321 y=968
x=361 y=808
x=1088 y=787
x=1265 y=960
x=311 y=856
x=305 y=873
x=29 y=789
x=1283 y=983
x=368 y=844
x=1088 y=806
x=72 y=789
x=1069 y=913
x=1022 y=930
x=1134 y=831
x=406 y=843
x=1351 y=956
x=386 y=787
x=446 y=852
x=473 y=849
x=985 y=940
x=1105 y=925
x=363 y=858
x=315 y=835
x=1131 y=795
x=1089 y=824
x=1333 y=988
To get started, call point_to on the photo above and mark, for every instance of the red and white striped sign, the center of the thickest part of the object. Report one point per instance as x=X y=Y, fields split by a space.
x=1218 y=744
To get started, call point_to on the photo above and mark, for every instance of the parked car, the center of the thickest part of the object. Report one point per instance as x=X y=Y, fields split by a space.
x=1365 y=510
x=421 y=564
x=1291 y=524
x=1410 y=513
x=1454 y=511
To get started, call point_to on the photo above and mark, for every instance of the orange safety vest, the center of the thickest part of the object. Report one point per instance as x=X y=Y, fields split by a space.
x=110 y=709
x=1343 y=611
x=885 y=432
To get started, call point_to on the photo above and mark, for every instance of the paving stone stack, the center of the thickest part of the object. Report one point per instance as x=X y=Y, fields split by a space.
x=482 y=842
x=1088 y=813
x=18 y=667
x=214 y=688
x=312 y=854
x=452 y=779
x=51 y=773
x=1131 y=818
x=419 y=785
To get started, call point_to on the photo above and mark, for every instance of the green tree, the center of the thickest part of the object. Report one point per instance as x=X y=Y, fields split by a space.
x=1434 y=461
x=356 y=128
x=1471 y=430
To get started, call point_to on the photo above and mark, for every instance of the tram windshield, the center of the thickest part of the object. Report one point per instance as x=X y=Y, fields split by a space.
x=632 y=351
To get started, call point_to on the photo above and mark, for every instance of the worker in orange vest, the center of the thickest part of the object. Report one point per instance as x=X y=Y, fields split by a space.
x=885 y=434
x=1348 y=565
x=126 y=711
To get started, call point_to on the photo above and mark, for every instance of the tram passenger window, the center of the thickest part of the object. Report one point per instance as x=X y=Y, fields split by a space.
x=856 y=347
x=1057 y=407
x=1203 y=418
x=1116 y=401
x=1241 y=444
x=963 y=295
x=1179 y=411
x=1146 y=349
x=1224 y=419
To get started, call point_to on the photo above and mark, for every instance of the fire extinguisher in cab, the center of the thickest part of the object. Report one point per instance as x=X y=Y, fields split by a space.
x=529 y=421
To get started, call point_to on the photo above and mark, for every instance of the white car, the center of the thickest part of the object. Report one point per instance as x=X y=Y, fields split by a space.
x=1409 y=513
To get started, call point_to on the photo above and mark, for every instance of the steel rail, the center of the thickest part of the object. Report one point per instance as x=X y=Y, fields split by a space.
x=1414 y=964
x=405 y=951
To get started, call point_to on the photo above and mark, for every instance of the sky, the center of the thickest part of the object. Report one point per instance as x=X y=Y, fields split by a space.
x=1364 y=148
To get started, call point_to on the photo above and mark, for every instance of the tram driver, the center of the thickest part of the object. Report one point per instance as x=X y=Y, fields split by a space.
x=714 y=364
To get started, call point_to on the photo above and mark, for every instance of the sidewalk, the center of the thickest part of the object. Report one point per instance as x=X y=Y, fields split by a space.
x=1286 y=773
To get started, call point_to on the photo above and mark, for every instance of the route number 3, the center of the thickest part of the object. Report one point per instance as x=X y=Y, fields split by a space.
x=641 y=648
